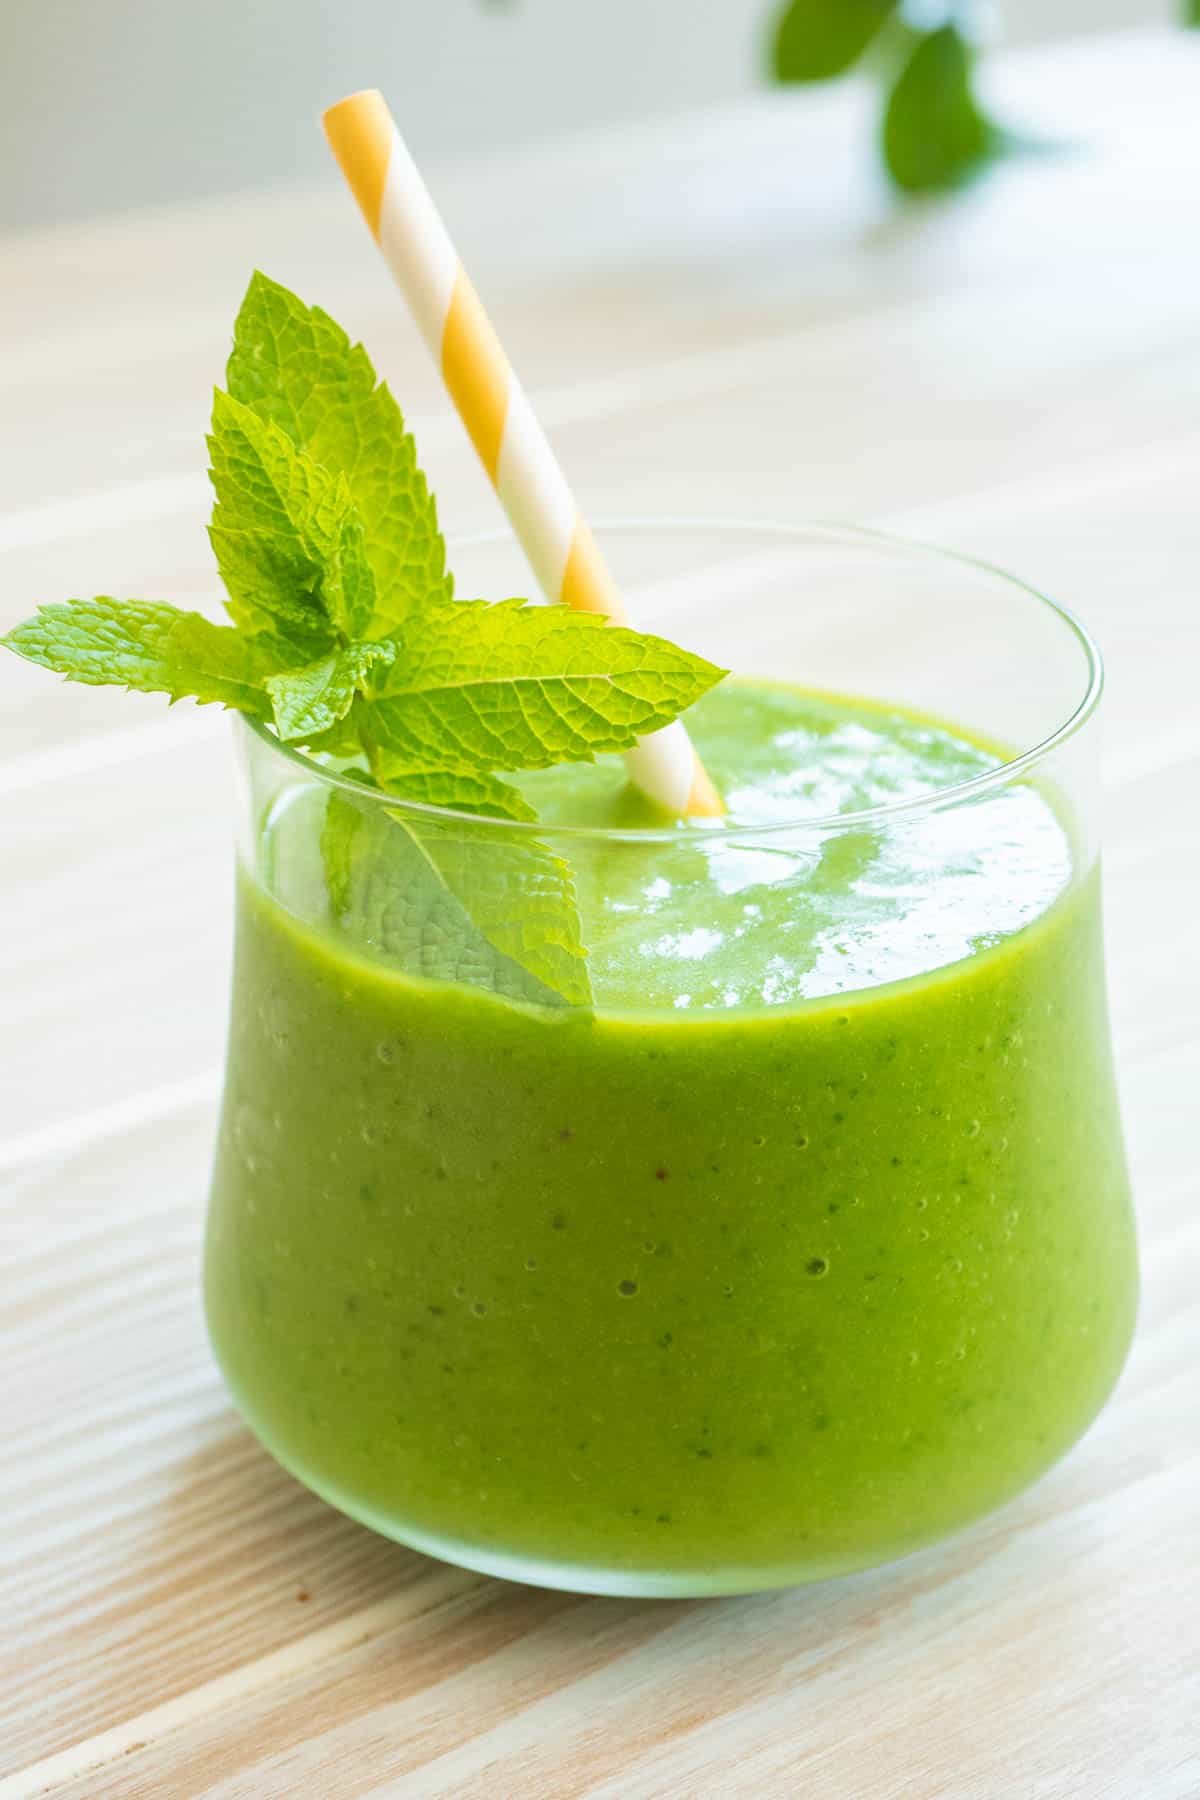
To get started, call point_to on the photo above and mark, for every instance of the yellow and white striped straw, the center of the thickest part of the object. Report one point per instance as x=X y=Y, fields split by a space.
x=493 y=406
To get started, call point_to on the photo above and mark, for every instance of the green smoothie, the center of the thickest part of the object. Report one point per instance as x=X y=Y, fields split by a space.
x=806 y=1243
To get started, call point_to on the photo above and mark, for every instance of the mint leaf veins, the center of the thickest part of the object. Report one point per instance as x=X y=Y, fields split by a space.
x=288 y=537
x=298 y=369
x=442 y=905
x=345 y=638
x=150 y=648
x=512 y=686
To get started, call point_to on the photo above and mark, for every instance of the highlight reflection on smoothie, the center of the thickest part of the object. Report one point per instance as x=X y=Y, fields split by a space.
x=805 y=1242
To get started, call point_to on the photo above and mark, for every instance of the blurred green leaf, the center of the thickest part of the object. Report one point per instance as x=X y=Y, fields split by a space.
x=816 y=39
x=934 y=132
x=1191 y=12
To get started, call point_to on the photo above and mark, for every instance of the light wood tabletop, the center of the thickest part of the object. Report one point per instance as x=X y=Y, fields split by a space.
x=724 y=313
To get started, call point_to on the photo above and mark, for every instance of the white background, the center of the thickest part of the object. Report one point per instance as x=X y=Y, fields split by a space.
x=112 y=104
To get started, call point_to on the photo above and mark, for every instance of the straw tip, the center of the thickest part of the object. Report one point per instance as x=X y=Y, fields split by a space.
x=360 y=132
x=362 y=100
x=360 y=96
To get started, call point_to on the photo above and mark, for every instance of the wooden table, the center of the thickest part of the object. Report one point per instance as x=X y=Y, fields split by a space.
x=723 y=313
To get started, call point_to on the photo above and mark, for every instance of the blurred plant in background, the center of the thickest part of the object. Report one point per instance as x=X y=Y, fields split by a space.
x=934 y=133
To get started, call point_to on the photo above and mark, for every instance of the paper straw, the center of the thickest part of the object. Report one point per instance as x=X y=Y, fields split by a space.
x=493 y=406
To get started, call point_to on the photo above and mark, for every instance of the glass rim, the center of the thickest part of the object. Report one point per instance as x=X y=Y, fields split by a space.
x=1012 y=769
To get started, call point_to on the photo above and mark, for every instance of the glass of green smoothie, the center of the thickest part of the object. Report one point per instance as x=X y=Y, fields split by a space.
x=640 y=1206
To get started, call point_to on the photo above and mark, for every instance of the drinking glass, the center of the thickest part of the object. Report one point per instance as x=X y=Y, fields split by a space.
x=817 y=1252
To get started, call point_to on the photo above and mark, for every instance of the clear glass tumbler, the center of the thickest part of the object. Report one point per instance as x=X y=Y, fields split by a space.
x=808 y=1248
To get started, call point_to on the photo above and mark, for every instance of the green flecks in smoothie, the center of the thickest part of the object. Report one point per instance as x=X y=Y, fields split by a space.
x=818 y=1265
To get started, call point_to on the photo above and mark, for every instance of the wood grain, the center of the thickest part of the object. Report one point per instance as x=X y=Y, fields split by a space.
x=706 y=327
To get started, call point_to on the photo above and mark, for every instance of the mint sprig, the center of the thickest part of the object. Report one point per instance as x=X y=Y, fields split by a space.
x=345 y=637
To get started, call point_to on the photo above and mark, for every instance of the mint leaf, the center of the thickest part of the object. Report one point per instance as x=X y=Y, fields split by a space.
x=339 y=740
x=512 y=686
x=467 y=790
x=934 y=133
x=817 y=39
x=101 y=642
x=147 y=646
x=288 y=539
x=444 y=907
x=298 y=369
x=215 y=662
x=310 y=700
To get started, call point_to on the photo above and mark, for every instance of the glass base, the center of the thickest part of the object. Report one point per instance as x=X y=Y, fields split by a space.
x=607 y=1580
x=576 y=1578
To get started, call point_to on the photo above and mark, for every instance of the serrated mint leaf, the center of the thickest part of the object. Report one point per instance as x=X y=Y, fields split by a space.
x=817 y=39
x=441 y=906
x=288 y=539
x=310 y=700
x=348 y=586
x=101 y=642
x=467 y=790
x=148 y=646
x=512 y=686
x=296 y=367
x=215 y=662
